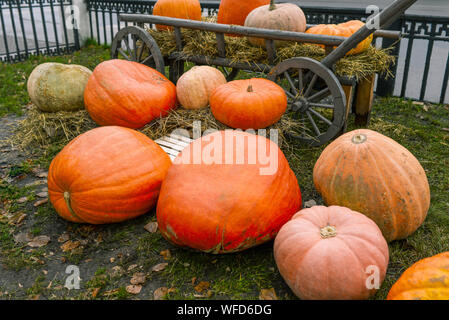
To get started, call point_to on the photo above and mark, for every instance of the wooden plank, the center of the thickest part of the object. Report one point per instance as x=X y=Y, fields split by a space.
x=364 y=101
x=349 y=93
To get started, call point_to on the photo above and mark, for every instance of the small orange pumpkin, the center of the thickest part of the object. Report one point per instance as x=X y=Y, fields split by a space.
x=248 y=104
x=195 y=87
x=283 y=16
x=427 y=279
x=105 y=175
x=374 y=175
x=181 y=9
x=224 y=194
x=331 y=253
x=128 y=94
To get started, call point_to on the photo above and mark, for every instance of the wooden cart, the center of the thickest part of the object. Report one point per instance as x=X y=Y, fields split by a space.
x=316 y=96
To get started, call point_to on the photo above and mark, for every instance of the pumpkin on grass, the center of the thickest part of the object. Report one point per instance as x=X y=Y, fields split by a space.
x=373 y=174
x=427 y=279
x=181 y=9
x=226 y=192
x=283 y=16
x=196 y=85
x=248 y=104
x=128 y=94
x=236 y=11
x=105 y=175
x=331 y=253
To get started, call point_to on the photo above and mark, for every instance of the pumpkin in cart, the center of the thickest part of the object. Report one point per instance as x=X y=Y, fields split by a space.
x=248 y=104
x=427 y=279
x=195 y=87
x=331 y=253
x=226 y=192
x=236 y=11
x=373 y=174
x=105 y=175
x=181 y=9
x=283 y=16
x=128 y=94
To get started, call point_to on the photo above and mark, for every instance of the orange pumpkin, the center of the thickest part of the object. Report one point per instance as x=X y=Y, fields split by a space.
x=283 y=16
x=345 y=29
x=181 y=9
x=224 y=193
x=331 y=253
x=195 y=87
x=427 y=279
x=128 y=94
x=373 y=174
x=236 y=11
x=105 y=175
x=248 y=104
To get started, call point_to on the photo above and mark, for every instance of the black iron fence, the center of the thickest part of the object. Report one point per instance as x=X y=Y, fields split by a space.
x=44 y=27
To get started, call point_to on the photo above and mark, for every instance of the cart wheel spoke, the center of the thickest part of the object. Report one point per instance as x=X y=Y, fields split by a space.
x=315 y=127
x=123 y=53
x=321 y=105
x=320 y=95
x=292 y=85
x=320 y=116
x=310 y=86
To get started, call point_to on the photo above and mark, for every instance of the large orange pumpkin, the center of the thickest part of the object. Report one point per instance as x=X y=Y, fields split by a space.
x=331 y=253
x=105 y=175
x=181 y=9
x=195 y=87
x=373 y=174
x=427 y=279
x=248 y=104
x=236 y=11
x=283 y=16
x=224 y=193
x=128 y=94
x=345 y=29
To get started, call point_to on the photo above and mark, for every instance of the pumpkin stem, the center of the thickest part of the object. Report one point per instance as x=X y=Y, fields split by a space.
x=250 y=88
x=67 y=202
x=272 y=5
x=328 y=232
x=359 y=138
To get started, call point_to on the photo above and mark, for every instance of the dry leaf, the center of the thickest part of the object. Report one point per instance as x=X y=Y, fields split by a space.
x=203 y=285
x=70 y=245
x=160 y=267
x=116 y=271
x=95 y=292
x=39 y=241
x=110 y=292
x=42 y=175
x=268 y=294
x=160 y=293
x=193 y=281
x=64 y=237
x=131 y=267
x=22 y=200
x=310 y=203
x=23 y=237
x=138 y=278
x=133 y=289
x=166 y=254
x=40 y=202
x=151 y=227
x=42 y=194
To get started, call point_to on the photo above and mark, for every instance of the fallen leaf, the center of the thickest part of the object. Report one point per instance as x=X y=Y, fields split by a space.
x=166 y=254
x=208 y=294
x=160 y=293
x=138 y=278
x=95 y=292
x=160 y=267
x=110 y=292
x=70 y=245
x=267 y=294
x=151 y=227
x=193 y=281
x=39 y=241
x=418 y=103
x=42 y=194
x=310 y=203
x=425 y=108
x=42 y=175
x=131 y=267
x=228 y=269
x=64 y=237
x=40 y=202
x=203 y=285
x=22 y=237
x=22 y=200
x=133 y=289
x=17 y=218
x=445 y=129
x=116 y=271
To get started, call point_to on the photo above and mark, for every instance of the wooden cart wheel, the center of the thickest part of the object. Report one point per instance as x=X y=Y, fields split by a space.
x=315 y=98
x=135 y=44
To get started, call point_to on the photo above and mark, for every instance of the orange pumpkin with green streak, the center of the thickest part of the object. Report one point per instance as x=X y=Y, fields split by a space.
x=105 y=175
x=216 y=199
x=427 y=279
x=373 y=174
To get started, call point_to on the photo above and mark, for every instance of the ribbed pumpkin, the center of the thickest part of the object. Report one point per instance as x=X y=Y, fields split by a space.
x=221 y=195
x=128 y=94
x=427 y=279
x=181 y=9
x=105 y=175
x=236 y=11
x=196 y=85
x=373 y=174
x=248 y=104
x=345 y=29
x=283 y=16
x=331 y=253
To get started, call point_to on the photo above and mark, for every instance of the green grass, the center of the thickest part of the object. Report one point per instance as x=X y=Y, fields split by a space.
x=233 y=276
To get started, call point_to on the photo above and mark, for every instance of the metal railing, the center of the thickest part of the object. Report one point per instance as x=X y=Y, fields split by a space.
x=41 y=27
